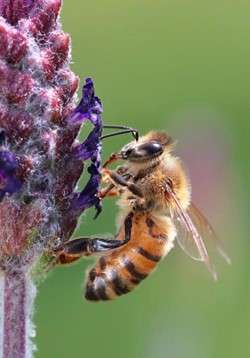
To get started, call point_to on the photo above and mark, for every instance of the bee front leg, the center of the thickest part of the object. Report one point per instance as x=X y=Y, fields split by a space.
x=123 y=181
x=109 y=191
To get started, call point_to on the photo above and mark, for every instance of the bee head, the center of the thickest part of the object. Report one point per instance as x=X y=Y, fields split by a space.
x=146 y=148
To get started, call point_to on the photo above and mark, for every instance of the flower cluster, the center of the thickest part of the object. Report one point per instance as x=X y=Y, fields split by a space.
x=90 y=108
x=41 y=160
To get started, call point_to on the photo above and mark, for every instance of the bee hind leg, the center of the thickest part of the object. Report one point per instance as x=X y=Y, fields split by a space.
x=86 y=246
x=83 y=247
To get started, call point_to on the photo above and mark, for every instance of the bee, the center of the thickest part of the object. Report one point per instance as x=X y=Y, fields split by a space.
x=155 y=208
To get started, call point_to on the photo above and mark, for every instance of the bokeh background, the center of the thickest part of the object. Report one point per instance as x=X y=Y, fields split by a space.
x=180 y=66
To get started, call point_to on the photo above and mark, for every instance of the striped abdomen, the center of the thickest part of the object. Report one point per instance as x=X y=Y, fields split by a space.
x=120 y=271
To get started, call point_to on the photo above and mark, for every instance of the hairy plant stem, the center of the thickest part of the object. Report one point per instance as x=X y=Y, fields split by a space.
x=18 y=297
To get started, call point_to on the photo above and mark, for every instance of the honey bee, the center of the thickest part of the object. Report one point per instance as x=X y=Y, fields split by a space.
x=155 y=208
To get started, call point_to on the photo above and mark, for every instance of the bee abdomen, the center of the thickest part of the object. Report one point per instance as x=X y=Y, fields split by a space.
x=114 y=277
x=96 y=291
x=106 y=283
x=148 y=255
x=136 y=274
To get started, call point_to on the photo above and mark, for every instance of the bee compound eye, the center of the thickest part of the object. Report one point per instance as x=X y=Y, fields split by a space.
x=141 y=152
x=149 y=149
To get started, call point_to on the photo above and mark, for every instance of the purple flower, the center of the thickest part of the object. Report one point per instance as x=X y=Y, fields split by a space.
x=90 y=108
x=87 y=197
x=91 y=147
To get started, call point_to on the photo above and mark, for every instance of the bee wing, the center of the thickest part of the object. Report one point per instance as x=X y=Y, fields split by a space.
x=207 y=232
x=188 y=236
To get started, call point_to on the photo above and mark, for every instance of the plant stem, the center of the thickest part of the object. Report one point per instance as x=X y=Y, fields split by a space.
x=17 y=298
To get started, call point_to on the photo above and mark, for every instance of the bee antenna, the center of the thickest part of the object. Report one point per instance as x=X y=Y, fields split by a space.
x=136 y=135
x=123 y=131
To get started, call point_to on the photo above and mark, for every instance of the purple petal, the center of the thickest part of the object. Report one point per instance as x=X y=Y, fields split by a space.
x=91 y=146
x=87 y=197
x=90 y=106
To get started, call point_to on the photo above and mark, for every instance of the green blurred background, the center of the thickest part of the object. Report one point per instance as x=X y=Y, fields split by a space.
x=180 y=66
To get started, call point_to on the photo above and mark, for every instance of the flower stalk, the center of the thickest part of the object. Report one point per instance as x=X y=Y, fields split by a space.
x=18 y=298
x=14 y=330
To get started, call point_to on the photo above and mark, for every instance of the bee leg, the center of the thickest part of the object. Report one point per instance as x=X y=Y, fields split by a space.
x=65 y=259
x=109 y=190
x=86 y=246
x=82 y=247
x=77 y=248
x=123 y=170
x=120 y=180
